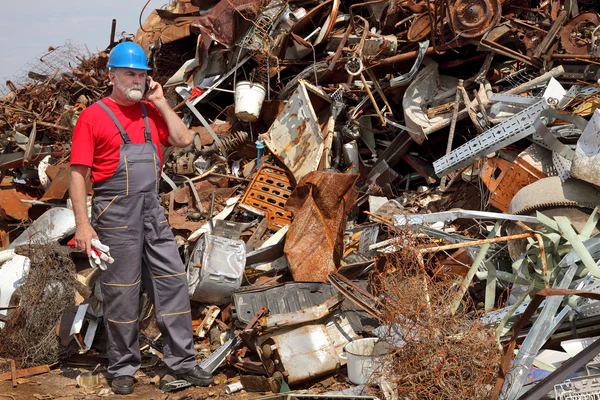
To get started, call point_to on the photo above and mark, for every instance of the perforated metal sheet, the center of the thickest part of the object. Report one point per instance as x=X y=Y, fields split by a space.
x=268 y=192
x=515 y=128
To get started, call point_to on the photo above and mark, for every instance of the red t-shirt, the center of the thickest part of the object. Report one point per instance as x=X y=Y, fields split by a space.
x=97 y=141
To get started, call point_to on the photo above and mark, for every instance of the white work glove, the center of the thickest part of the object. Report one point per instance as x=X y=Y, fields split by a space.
x=100 y=255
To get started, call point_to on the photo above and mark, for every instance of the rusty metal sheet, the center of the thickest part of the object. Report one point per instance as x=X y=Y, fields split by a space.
x=60 y=177
x=11 y=206
x=505 y=178
x=315 y=242
x=296 y=136
x=167 y=30
x=223 y=23
x=269 y=191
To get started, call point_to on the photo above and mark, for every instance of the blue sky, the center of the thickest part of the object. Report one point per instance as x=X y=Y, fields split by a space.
x=28 y=27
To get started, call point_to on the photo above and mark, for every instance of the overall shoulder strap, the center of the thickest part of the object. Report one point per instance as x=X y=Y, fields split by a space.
x=147 y=134
x=116 y=121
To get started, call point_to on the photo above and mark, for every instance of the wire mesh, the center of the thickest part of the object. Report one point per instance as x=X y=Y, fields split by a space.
x=64 y=58
x=29 y=335
x=444 y=355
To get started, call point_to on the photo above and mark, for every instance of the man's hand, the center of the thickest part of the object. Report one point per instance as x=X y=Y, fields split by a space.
x=155 y=92
x=179 y=134
x=84 y=233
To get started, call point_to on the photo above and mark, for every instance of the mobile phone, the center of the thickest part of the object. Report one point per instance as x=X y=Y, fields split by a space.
x=147 y=86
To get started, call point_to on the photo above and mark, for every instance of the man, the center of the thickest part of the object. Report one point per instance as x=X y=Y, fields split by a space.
x=118 y=140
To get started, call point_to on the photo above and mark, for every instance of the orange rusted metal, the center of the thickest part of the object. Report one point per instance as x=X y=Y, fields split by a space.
x=268 y=193
x=504 y=178
x=315 y=242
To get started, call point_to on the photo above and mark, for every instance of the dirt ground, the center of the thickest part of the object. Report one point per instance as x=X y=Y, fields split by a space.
x=60 y=384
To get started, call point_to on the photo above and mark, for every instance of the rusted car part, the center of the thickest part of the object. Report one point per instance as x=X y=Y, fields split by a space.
x=577 y=36
x=320 y=204
x=267 y=194
x=472 y=18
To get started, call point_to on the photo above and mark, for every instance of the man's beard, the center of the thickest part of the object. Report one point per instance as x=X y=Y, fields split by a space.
x=133 y=93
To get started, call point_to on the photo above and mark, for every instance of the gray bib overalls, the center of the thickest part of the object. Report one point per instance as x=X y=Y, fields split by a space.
x=128 y=217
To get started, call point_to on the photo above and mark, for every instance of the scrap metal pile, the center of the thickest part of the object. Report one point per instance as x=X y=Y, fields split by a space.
x=346 y=155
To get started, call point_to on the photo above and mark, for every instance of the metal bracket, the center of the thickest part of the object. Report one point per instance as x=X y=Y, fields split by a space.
x=515 y=128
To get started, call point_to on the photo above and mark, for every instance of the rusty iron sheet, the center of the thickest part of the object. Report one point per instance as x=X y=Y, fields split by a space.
x=269 y=191
x=11 y=206
x=473 y=18
x=60 y=178
x=573 y=44
x=504 y=178
x=315 y=242
x=156 y=28
x=224 y=23
x=296 y=136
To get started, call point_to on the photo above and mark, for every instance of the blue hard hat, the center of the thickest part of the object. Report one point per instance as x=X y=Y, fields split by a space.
x=128 y=55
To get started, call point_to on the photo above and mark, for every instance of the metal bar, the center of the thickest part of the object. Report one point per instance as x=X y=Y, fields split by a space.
x=476 y=243
x=195 y=193
x=542 y=48
x=452 y=128
x=553 y=73
x=366 y=86
x=447 y=216
x=208 y=128
x=515 y=128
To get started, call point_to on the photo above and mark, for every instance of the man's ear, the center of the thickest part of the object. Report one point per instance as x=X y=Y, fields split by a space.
x=111 y=76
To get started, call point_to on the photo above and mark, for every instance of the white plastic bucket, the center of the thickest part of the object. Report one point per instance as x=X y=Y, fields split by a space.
x=365 y=359
x=249 y=99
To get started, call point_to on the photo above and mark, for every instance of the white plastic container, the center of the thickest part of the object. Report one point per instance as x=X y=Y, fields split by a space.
x=249 y=99
x=365 y=359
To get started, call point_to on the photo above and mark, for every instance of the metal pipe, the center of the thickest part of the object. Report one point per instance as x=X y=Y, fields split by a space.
x=113 y=30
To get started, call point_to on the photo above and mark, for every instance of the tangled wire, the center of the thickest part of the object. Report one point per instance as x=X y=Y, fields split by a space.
x=444 y=355
x=29 y=335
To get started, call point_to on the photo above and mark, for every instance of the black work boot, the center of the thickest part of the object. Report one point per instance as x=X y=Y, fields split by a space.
x=123 y=384
x=197 y=376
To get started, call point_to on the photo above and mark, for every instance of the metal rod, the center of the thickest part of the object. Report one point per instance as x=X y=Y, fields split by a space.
x=113 y=31
x=476 y=243
x=452 y=128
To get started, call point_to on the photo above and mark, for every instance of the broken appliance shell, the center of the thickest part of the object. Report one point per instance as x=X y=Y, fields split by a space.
x=307 y=352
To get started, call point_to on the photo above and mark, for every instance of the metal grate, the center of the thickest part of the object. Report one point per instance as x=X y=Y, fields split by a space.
x=268 y=193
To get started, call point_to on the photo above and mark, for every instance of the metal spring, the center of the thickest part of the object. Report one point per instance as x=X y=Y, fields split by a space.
x=231 y=141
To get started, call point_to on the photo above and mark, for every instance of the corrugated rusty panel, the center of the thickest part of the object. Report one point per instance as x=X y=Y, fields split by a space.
x=315 y=241
x=268 y=192
x=296 y=135
x=504 y=178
